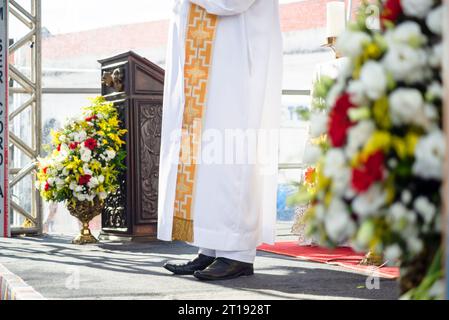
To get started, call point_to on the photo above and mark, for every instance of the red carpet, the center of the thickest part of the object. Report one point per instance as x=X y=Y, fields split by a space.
x=344 y=257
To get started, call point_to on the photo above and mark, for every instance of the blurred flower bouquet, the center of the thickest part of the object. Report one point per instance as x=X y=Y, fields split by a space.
x=379 y=162
x=85 y=159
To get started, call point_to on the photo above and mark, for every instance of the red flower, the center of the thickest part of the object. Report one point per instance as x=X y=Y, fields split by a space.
x=59 y=148
x=391 y=12
x=370 y=172
x=90 y=119
x=45 y=170
x=74 y=145
x=47 y=186
x=340 y=123
x=84 y=180
x=91 y=144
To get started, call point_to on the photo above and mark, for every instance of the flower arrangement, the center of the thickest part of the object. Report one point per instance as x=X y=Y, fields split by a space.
x=86 y=157
x=380 y=158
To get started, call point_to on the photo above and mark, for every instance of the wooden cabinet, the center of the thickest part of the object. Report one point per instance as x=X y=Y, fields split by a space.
x=135 y=85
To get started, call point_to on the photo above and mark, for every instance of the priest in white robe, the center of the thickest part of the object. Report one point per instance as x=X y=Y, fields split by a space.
x=220 y=133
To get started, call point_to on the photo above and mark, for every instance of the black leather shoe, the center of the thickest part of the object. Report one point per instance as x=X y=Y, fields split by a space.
x=198 y=264
x=225 y=269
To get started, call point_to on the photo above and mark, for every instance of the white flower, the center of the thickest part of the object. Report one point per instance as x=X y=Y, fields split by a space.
x=434 y=20
x=407 y=33
x=398 y=212
x=426 y=209
x=351 y=43
x=80 y=136
x=416 y=8
x=374 y=80
x=110 y=154
x=86 y=154
x=101 y=179
x=435 y=90
x=402 y=219
x=86 y=169
x=436 y=56
x=80 y=196
x=406 y=106
x=357 y=137
x=318 y=124
x=429 y=154
x=69 y=121
x=356 y=91
x=62 y=138
x=430 y=121
x=312 y=154
x=414 y=245
x=59 y=166
x=93 y=183
x=393 y=252
x=335 y=167
x=334 y=93
x=406 y=197
x=405 y=63
x=103 y=195
x=335 y=161
x=370 y=202
x=73 y=186
x=59 y=183
x=338 y=224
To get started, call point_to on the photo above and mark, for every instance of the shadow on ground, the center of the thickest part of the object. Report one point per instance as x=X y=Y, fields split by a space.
x=60 y=270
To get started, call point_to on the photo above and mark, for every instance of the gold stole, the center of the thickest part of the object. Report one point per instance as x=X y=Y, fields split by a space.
x=200 y=36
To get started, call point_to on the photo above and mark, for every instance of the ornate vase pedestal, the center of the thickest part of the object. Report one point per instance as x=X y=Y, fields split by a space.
x=85 y=211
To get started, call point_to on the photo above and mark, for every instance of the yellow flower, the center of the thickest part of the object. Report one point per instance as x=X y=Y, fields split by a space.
x=380 y=140
x=320 y=140
x=74 y=164
x=322 y=181
x=400 y=147
x=56 y=135
x=372 y=51
x=114 y=122
x=95 y=165
x=411 y=140
x=381 y=113
x=405 y=147
x=114 y=137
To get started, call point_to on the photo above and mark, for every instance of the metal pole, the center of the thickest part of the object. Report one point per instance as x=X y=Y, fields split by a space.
x=37 y=11
x=28 y=83
x=4 y=173
x=349 y=11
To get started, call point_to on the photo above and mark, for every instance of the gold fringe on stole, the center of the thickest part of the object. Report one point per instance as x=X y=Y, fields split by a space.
x=200 y=36
x=182 y=230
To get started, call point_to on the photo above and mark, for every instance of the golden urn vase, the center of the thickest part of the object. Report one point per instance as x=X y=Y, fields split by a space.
x=85 y=211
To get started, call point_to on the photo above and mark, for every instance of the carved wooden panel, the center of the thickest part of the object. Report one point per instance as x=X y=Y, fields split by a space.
x=149 y=120
x=115 y=213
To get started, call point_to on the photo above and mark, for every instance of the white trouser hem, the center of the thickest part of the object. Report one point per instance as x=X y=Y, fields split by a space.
x=248 y=256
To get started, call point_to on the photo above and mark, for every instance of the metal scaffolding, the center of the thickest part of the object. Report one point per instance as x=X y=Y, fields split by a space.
x=25 y=115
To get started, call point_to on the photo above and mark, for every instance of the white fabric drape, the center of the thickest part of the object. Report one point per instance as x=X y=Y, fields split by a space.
x=235 y=204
